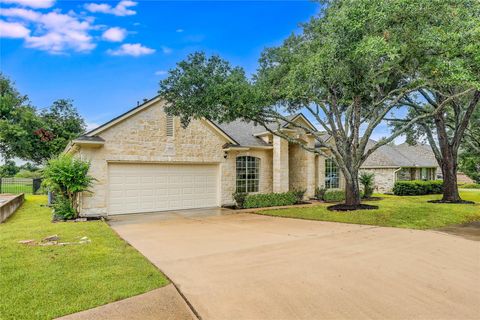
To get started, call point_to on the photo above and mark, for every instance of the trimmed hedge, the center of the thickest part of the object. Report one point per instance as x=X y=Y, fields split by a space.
x=417 y=187
x=334 y=195
x=270 y=200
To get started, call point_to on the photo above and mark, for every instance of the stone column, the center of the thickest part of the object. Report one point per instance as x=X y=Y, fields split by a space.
x=280 y=164
x=310 y=170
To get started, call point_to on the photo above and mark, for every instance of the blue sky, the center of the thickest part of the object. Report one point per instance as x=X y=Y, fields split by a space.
x=107 y=55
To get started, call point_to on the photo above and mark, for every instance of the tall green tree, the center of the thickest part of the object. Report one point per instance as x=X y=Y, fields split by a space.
x=18 y=120
x=33 y=135
x=348 y=68
x=454 y=83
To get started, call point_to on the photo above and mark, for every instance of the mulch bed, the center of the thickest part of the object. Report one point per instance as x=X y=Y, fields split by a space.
x=345 y=207
x=452 y=202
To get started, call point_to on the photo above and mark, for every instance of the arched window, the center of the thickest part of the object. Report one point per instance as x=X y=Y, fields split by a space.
x=331 y=174
x=248 y=174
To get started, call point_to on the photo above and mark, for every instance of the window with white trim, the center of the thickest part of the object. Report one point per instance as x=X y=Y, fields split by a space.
x=169 y=126
x=248 y=174
x=332 y=177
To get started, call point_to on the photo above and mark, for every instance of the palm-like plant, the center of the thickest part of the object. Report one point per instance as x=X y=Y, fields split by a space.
x=67 y=177
x=367 y=179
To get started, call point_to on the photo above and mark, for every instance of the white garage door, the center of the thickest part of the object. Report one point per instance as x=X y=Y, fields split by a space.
x=135 y=188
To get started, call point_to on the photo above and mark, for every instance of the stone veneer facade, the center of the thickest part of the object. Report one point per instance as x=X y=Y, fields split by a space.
x=142 y=138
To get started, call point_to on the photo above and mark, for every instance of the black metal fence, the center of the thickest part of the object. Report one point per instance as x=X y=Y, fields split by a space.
x=20 y=185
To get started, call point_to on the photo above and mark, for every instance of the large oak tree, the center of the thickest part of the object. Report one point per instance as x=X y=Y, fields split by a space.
x=348 y=68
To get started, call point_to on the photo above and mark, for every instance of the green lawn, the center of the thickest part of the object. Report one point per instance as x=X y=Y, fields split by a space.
x=47 y=282
x=17 y=188
x=394 y=211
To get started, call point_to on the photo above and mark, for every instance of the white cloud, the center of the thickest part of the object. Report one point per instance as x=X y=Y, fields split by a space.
x=179 y=30
x=13 y=30
x=131 y=49
x=54 y=32
x=37 y=4
x=114 y=34
x=121 y=9
x=166 y=50
x=161 y=72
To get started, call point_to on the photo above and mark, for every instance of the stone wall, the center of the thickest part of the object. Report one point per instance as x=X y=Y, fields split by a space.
x=280 y=165
x=9 y=204
x=384 y=178
x=301 y=168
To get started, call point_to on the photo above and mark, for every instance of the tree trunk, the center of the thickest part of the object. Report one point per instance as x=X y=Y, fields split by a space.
x=449 y=171
x=352 y=191
x=448 y=161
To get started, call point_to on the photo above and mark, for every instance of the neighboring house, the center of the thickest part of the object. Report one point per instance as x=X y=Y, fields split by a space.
x=144 y=161
x=392 y=163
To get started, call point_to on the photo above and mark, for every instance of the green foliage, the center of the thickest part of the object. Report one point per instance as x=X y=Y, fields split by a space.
x=470 y=164
x=299 y=194
x=270 y=200
x=470 y=186
x=67 y=177
x=367 y=179
x=33 y=135
x=239 y=198
x=28 y=174
x=417 y=187
x=63 y=207
x=210 y=82
x=9 y=169
x=334 y=195
x=319 y=193
x=353 y=64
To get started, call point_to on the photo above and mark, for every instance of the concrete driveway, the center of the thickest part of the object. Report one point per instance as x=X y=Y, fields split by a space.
x=245 y=266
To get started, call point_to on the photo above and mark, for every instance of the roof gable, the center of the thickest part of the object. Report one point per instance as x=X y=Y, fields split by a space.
x=140 y=108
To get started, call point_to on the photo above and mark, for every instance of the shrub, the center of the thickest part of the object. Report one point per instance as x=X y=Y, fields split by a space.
x=67 y=177
x=319 y=193
x=417 y=187
x=270 y=200
x=62 y=207
x=239 y=198
x=299 y=194
x=334 y=195
x=470 y=186
x=367 y=179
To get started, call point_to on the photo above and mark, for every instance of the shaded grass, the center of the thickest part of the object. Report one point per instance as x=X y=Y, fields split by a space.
x=394 y=211
x=47 y=282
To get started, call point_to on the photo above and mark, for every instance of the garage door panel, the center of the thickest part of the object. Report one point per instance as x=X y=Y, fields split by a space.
x=156 y=187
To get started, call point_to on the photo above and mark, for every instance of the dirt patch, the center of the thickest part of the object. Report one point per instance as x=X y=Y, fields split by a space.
x=345 y=207
x=470 y=230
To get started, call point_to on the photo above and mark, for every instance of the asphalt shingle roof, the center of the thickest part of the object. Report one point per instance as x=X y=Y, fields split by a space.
x=402 y=155
x=244 y=132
